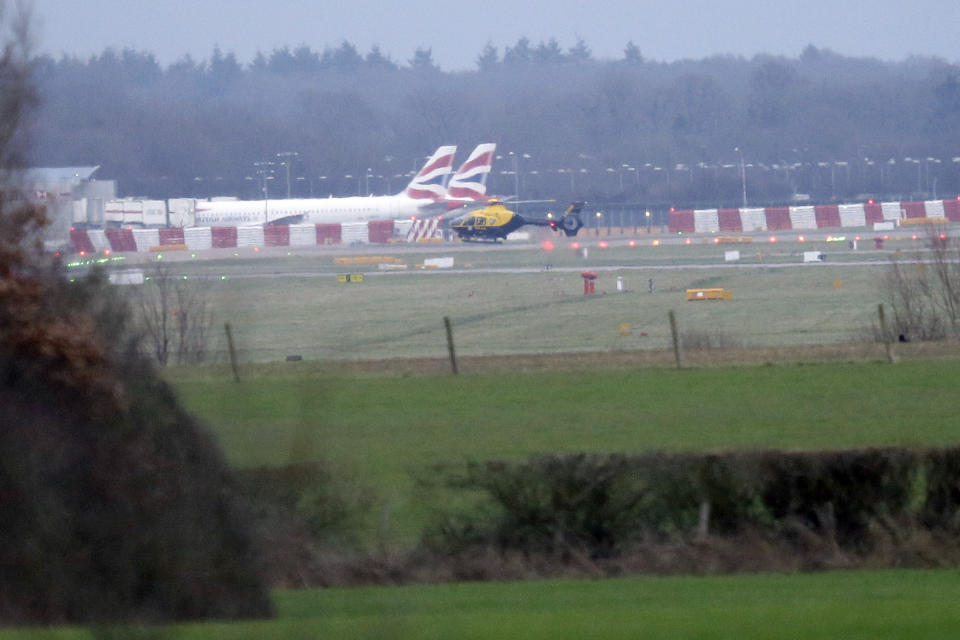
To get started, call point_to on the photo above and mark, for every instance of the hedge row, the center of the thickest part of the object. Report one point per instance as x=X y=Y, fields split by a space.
x=604 y=505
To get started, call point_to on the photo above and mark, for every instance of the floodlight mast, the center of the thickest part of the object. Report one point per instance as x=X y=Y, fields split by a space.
x=743 y=176
x=286 y=159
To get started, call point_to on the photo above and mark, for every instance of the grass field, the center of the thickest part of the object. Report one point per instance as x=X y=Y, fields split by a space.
x=384 y=430
x=868 y=605
x=508 y=301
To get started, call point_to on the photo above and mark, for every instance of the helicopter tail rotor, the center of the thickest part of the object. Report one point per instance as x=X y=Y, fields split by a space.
x=570 y=222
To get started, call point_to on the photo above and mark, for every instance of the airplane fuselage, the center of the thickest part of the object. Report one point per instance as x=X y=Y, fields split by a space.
x=309 y=210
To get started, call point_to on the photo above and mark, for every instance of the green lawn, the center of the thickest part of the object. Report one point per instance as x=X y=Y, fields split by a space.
x=868 y=605
x=384 y=430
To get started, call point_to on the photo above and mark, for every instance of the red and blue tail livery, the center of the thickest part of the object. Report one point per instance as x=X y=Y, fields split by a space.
x=430 y=181
x=470 y=180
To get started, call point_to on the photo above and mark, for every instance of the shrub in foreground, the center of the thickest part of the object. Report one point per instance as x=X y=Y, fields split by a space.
x=116 y=505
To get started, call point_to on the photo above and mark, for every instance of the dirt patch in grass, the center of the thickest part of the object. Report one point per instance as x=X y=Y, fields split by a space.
x=606 y=360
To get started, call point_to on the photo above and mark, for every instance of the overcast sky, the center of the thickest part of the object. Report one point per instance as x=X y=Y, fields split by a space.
x=457 y=31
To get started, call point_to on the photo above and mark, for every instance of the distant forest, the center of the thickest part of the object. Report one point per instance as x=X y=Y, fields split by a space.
x=341 y=122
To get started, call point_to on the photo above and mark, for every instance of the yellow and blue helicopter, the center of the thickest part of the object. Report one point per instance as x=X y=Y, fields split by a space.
x=494 y=222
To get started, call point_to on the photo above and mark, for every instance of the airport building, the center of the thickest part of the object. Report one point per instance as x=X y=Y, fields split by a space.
x=70 y=194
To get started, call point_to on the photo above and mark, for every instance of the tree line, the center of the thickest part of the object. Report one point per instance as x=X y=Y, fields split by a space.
x=686 y=133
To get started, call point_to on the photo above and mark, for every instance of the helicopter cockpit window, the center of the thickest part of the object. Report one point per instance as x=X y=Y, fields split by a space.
x=470 y=221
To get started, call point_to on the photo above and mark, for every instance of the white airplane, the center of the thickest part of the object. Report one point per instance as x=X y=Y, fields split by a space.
x=426 y=191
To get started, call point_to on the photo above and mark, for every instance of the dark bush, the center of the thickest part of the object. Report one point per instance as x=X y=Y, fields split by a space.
x=116 y=504
x=604 y=505
x=549 y=504
x=838 y=493
x=330 y=509
x=941 y=509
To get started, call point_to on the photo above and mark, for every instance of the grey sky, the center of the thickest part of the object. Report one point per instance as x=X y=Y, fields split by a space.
x=457 y=31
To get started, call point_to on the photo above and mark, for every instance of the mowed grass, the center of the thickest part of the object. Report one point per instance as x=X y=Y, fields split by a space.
x=522 y=299
x=384 y=431
x=868 y=605
x=401 y=315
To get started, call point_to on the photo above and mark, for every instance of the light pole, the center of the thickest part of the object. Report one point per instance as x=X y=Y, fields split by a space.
x=287 y=158
x=743 y=176
x=646 y=214
x=264 y=171
x=624 y=167
x=388 y=172
x=516 y=170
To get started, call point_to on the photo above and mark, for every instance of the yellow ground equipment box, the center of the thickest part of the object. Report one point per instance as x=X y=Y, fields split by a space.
x=709 y=294
x=912 y=221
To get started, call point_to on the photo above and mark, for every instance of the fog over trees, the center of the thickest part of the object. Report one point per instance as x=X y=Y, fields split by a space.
x=626 y=130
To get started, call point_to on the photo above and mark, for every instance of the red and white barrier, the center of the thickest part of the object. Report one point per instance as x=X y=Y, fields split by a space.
x=748 y=219
x=808 y=218
x=120 y=240
x=424 y=229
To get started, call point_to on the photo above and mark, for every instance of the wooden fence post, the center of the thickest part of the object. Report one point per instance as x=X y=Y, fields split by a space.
x=450 y=347
x=676 y=339
x=887 y=342
x=233 y=352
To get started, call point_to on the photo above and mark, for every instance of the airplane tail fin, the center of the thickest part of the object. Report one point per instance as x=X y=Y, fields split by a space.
x=428 y=184
x=470 y=180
